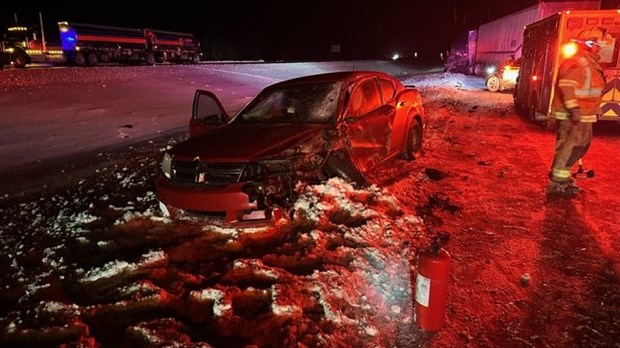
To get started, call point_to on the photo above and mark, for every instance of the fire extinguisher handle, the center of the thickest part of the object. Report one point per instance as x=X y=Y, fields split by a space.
x=437 y=242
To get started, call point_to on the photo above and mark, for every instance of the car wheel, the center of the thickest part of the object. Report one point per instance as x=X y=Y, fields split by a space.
x=414 y=141
x=338 y=166
x=493 y=83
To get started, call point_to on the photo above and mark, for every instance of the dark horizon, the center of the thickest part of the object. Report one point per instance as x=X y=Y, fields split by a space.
x=282 y=30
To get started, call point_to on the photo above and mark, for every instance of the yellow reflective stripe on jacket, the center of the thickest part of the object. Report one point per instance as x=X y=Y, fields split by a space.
x=561 y=173
x=571 y=103
x=588 y=118
x=567 y=83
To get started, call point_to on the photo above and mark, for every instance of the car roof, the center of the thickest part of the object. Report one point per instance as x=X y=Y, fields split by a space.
x=331 y=77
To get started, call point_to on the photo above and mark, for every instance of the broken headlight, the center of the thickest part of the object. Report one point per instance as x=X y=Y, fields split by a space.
x=166 y=166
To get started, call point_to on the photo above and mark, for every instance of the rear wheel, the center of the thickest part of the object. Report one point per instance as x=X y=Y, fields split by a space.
x=149 y=58
x=92 y=59
x=414 y=141
x=79 y=59
x=493 y=83
x=338 y=166
x=196 y=58
x=20 y=59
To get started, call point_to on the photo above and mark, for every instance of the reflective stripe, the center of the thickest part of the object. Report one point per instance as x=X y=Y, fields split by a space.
x=561 y=173
x=588 y=92
x=566 y=82
x=588 y=118
x=571 y=103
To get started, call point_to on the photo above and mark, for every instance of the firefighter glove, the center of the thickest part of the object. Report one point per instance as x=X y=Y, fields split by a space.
x=575 y=115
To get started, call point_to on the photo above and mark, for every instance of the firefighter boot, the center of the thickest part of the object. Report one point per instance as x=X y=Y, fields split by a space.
x=562 y=189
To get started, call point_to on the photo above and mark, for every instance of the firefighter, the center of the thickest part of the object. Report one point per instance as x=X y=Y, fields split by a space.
x=575 y=107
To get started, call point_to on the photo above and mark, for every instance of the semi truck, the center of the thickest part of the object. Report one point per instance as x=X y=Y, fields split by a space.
x=481 y=51
x=546 y=43
x=90 y=44
x=23 y=45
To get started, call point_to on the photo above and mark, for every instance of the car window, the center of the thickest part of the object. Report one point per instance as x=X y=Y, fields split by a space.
x=308 y=103
x=387 y=89
x=364 y=99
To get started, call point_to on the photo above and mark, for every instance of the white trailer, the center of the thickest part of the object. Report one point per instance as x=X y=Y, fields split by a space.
x=503 y=37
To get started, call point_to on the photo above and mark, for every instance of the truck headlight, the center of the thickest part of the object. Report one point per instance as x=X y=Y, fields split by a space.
x=166 y=166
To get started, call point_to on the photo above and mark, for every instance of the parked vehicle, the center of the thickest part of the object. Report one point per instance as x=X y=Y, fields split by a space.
x=505 y=79
x=307 y=129
x=548 y=42
x=480 y=51
x=89 y=44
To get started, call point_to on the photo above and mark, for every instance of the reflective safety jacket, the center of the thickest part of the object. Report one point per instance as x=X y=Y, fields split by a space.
x=580 y=85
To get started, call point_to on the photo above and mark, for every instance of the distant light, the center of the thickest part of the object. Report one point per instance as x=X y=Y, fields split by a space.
x=395 y=56
x=534 y=78
x=17 y=29
x=415 y=54
x=569 y=50
x=441 y=55
x=10 y=49
x=490 y=70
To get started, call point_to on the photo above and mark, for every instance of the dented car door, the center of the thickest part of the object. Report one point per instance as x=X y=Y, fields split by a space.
x=368 y=123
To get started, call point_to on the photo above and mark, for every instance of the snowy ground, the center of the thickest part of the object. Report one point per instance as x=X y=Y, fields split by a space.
x=88 y=260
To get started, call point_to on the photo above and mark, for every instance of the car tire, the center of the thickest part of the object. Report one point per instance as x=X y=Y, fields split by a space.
x=493 y=83
x=414 y=141
x=337 y=165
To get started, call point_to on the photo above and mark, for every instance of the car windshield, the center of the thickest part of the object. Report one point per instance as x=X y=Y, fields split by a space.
x=307 y=103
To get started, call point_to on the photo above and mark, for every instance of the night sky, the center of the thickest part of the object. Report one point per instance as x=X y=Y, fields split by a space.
x=288 y=30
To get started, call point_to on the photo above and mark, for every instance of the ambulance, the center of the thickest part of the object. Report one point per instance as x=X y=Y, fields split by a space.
x=546 y=43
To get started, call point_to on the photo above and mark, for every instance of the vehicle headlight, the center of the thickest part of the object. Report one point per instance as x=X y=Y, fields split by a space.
x=166 y=166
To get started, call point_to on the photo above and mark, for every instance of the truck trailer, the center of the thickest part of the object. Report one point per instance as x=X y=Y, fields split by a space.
x=499 y=39
x=89 y=44
x=547 y=43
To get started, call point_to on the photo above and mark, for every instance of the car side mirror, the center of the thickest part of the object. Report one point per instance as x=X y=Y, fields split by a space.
x=211 y=119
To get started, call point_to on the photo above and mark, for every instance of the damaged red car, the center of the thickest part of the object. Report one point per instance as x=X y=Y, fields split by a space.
x=307 y=129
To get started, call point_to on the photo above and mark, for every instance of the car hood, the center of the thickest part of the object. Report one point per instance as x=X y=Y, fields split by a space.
x=246 y=142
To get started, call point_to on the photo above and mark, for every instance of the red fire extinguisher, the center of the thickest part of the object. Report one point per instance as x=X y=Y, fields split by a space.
x=431 y=290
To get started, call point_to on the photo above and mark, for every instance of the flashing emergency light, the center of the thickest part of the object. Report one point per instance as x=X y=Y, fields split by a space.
x=569 y=50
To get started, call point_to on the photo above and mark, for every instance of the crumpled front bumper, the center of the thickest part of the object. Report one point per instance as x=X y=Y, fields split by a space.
x=227 y=200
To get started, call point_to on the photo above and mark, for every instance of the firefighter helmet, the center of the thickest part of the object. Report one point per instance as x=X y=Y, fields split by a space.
x=590 y=36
